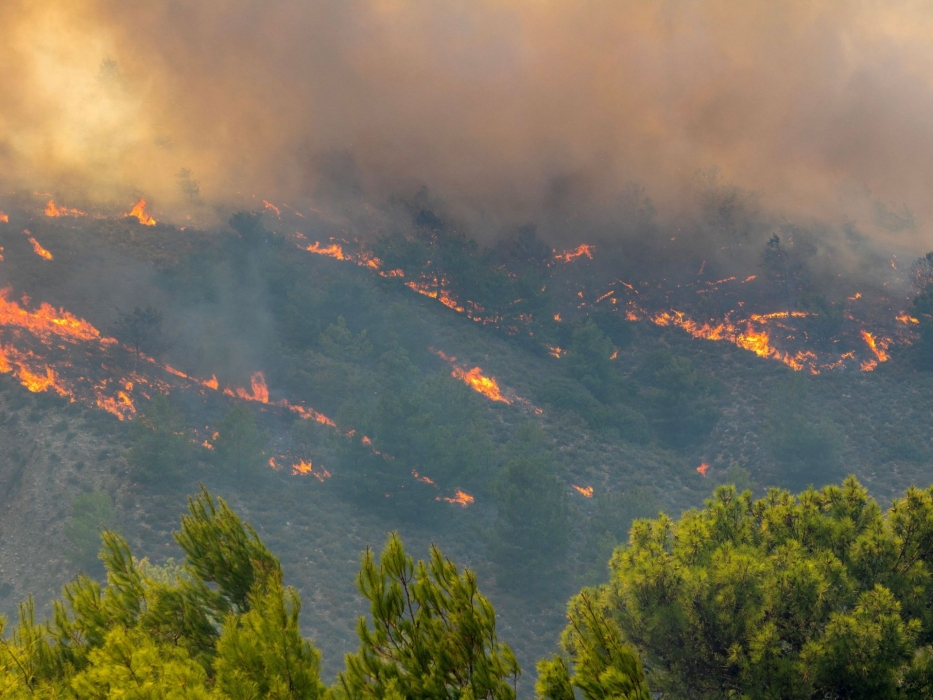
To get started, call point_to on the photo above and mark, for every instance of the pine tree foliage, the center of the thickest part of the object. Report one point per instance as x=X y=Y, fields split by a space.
x=432 y=634
x=604 y=666
x=816 y=596
x=224 y=627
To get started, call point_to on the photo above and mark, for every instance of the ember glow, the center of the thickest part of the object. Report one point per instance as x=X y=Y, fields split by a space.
x=4 y=218
x=140 y=213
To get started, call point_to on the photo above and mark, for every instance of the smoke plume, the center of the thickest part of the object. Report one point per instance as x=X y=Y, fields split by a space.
x=510 y=111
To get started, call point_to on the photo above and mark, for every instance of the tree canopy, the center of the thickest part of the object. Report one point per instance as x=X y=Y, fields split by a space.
x=819 y=595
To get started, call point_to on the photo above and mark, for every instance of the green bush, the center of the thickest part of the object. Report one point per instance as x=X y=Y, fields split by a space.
x=159 y=449
x=815 y=596
x=804 y=445
x=240 y=443
x=531 y=530
x=91 y=514
x=680 y=402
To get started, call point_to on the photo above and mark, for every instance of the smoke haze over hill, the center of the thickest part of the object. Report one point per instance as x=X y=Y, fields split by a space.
x=509 y=111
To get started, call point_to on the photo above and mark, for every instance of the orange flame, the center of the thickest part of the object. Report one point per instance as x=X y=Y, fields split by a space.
x=585 y=491
x=303 y=468
x=877 y=345
x=4 y=218
x=461 y=498
x=332 y=251
x=121 y=406
x=422 y=479
x=46 y=321
x=272 y=207
x=38 y=249
x=703 y=469
x=487 y=386
x=260 y=392
x=140 y=214
x=475 y=379
x=53 y=211
x=577 y=252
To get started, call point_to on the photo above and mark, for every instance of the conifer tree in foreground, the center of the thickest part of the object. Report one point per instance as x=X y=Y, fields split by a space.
x=821 y=595
x=225 y=626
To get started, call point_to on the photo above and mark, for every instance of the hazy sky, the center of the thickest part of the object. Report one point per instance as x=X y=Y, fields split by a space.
x=508 y=110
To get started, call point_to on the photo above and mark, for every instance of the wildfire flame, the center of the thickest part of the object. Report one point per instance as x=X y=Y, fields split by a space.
x=422 y=479
x=461 y=498
x=270 y=206
x=878 y=345
x=4 y=218
x=302 y=468
x=260 y=392
x=703 y=468
x=577 y=252
x=53 y=211
x=331 y=251
x=585 y=491
x=46 y=321
x=140 y=214
x=36 y=247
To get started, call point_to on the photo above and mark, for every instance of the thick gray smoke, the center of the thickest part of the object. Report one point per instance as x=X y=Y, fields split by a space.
x=509 y=110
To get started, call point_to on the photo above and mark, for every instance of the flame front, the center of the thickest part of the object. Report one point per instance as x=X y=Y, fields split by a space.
x=585 y=491
x=4 y=218
x=46 y=321
x=140 y=214
x=703 y=468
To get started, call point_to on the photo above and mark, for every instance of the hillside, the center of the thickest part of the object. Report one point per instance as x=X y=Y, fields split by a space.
x=624 y=413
